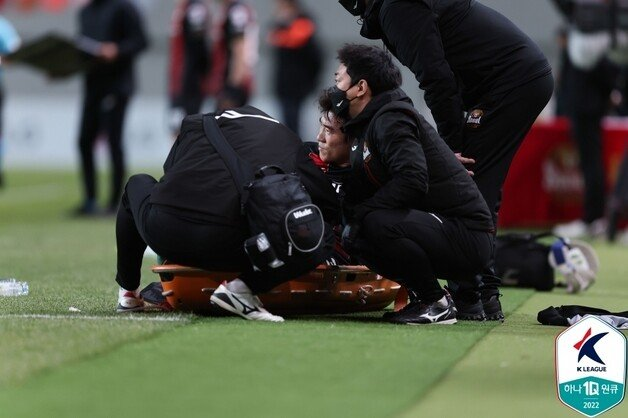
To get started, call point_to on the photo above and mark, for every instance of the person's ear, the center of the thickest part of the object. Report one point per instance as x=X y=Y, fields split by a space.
x=363 y=87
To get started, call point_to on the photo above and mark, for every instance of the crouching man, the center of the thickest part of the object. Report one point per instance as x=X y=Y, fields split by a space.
x=417 y=216
x=192 y=215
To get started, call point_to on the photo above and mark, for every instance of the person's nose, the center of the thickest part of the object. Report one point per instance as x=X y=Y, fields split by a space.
x=320 y=137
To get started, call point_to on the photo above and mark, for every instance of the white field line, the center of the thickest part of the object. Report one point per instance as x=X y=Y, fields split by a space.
x=122 y=317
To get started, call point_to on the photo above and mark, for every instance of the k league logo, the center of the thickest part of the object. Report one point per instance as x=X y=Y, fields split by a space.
x=591 y=366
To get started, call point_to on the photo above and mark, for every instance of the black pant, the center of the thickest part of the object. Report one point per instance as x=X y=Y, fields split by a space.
x=291 y=110
x=503 y=126
x=415 y=248
x=185 y=240
x=493 y=143
x=102 y=111
x=587 y=132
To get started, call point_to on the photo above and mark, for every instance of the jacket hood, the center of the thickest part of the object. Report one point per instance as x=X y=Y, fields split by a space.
x=371 y=29
x=376 y=103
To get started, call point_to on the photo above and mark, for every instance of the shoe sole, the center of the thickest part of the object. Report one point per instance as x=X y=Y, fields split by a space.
x=122 y=309
x=478 y=318
x=445 y=322
x=496 y=317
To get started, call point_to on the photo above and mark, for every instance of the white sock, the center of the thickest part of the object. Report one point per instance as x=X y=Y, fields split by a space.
x=122 y=291
x=238 y=286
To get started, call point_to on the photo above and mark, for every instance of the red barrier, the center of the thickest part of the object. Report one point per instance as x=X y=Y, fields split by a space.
x=544 y=184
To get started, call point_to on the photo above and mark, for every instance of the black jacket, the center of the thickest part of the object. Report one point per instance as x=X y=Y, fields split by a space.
x=298 y=61
x=399 y=161
x=196 y=182
x=460 y=51
x=115 y=21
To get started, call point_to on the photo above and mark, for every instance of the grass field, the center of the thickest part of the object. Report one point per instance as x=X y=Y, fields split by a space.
x=93 y=363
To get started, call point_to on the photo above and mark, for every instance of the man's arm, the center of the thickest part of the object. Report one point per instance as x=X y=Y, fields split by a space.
x=404 y=159
x=412 y=29
x=135 y=39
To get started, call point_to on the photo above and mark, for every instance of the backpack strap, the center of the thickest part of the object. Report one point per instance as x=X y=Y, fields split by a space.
x=240 y=170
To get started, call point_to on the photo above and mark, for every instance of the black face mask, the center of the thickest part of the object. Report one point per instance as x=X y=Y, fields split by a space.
x=340 y=103
x=355 y=7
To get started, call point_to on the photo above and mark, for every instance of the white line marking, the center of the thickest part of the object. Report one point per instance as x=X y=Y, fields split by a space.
x=123 y=317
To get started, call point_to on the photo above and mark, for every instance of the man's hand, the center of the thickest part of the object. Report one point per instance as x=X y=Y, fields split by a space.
x=465 y=161
x=109 y=51
x=349 y=236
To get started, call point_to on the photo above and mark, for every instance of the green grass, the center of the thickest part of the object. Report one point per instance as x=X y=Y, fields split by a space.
x=56 y=363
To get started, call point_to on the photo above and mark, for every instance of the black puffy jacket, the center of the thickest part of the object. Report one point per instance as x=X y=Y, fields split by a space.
x=196 y=183
x=460 y=51
x=399 y=161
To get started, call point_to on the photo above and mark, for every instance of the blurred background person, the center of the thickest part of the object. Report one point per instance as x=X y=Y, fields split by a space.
x=235 y=54
x=189 y=59
x=298 y=59
x=9 y=42
x=116 y=30
x=587 y=83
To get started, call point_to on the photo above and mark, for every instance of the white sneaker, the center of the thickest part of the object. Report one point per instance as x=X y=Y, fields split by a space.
x=598 y=228
x=129 y=301
x=246 y=305
x=574 y=229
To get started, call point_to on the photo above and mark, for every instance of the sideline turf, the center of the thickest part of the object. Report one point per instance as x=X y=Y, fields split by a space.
x=514 y=363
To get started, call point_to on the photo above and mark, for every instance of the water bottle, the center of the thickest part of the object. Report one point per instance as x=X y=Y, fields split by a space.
x=11 y=287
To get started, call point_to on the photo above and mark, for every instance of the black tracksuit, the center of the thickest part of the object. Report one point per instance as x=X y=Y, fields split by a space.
x=191 y=216
x=468 y=57
x=108 y=86
x=589 y=93
x=421 y=215
x=193 y=28
x=298 y=61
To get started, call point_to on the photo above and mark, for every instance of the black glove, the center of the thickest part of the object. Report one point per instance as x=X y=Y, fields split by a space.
x=349 y=236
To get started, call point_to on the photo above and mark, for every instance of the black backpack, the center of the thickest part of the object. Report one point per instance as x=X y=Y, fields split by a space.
x=288 y=229
x=522 y=261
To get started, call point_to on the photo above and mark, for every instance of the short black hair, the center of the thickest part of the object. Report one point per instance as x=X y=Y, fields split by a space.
x=326 y=106
x=324 y=101
x=372 y=64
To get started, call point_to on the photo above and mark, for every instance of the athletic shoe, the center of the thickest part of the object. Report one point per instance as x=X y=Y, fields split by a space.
x=129 y=302
x=246 y=305
x=492 y=307
x=443 y=311
x=468 y=304
x=574 y=229
x=413 y=299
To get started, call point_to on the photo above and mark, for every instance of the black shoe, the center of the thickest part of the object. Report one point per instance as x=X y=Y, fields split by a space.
x=443 y=311
x=413 y=299
x=492 y=307
x=87 y=209
x=469 y=305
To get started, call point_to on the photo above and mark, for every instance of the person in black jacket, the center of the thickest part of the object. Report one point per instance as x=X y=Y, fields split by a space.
x=114 y=30
x=415 y=213
x=485 y=83
x=189 y=59
x=589 y=91
x=192 y=215
x=297 y=59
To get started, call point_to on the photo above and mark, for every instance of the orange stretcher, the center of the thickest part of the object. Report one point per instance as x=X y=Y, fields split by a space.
x=328 y=289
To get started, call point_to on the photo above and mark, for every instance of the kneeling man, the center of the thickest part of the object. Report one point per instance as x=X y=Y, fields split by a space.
x=192 y=215
x=415 y=215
